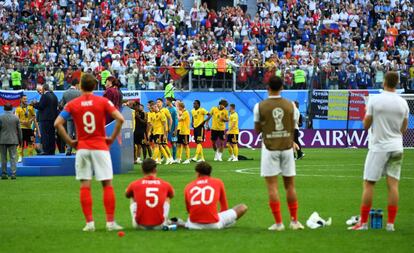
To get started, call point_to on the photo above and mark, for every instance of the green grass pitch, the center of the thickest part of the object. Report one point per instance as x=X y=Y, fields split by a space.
x=43 y=214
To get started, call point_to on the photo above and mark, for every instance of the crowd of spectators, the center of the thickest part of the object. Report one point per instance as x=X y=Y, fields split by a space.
x=145 y=43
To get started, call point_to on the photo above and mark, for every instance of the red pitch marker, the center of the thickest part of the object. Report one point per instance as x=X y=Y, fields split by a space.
x=121 y=233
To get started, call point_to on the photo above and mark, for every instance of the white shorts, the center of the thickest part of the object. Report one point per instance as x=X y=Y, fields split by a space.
x=276 y=162
x=133 y=210
x=89 y=162
x=226 y=219
x=379 y=164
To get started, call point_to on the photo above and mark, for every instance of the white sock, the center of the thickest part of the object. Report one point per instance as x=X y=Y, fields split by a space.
x=133 y=210
x=166 y=210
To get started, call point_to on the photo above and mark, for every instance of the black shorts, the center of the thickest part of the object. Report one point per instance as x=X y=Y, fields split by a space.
x=216 y=134
x=199 y=134
x=28 y=135
x=158 y=138
x=233 y=138
x=139 y=138
x=151 y=138
x=183 y=139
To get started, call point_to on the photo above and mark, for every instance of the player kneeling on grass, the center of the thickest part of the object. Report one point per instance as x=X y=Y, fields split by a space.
x=92 y=157
x=386 y=120
x=150 y=198
x=201 y=198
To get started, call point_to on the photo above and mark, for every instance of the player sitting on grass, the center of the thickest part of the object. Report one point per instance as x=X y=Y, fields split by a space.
x=201 y=199
x=150 y=198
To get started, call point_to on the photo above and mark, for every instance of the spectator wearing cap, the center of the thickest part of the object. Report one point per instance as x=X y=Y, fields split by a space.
x=10 y=137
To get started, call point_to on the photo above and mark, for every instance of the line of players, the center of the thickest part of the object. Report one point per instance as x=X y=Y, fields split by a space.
x=172 y=123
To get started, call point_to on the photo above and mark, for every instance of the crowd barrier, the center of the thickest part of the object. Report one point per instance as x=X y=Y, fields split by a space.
x=321 y=109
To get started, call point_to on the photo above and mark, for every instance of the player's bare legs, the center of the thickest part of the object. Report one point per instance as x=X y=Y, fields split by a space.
x=240 y=210
x=393 y=197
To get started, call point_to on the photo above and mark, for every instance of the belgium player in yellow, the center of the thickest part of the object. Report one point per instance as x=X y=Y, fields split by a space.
x=233 y=134
x=167 y=114
x=157 y=123
x=220 y=116
x=183 y=133
x=197 y=122
x=27 y=116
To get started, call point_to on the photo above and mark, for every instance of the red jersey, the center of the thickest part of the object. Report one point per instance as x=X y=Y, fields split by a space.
x=88 y=113
x=150 y=194
x=201 y=198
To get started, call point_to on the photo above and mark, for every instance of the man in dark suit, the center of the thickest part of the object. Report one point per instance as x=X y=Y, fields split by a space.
x=48 y=112
x=10 y=137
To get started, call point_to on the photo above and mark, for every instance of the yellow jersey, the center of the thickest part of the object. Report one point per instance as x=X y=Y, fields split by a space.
x=218 y=116
x=233 y=123
x=166 y=113
x=149 y=118
x=184 y=123
x=198 y=116
x=157 y=121
x=26 y=116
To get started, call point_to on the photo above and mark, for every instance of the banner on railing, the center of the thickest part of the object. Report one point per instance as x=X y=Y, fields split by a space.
x=12 y=97
x=357 y=104
x=308 y=138
x=330 y=105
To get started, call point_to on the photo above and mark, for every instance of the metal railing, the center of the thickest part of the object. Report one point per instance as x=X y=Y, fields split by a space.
x=187 y=78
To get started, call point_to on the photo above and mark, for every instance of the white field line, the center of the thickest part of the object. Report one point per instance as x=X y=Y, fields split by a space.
x=255 y=171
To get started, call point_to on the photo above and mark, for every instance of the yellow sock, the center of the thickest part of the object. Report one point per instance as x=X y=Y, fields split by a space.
x=197 y=151
x=179 y=151
x=229 y=146
x=30 y=150
x=20 y=151
x=201 y=151
x=187 y=152
x=167 y=150
x=156 y=153
x=164 y=153
x=236 y=150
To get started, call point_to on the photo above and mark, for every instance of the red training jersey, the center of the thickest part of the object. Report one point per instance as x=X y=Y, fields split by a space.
x=150 y=194
x=201 y=198
x=88 y=113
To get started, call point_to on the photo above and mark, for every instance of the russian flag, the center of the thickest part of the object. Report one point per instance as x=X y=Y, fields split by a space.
x=12 y=97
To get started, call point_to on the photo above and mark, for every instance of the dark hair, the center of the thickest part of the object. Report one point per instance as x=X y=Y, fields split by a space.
x=275 y=83
x=160 y=99
x=223 y=102
x=170 y=99
x=233 y=106
x=391 y=79
x=203 y=168
x=149 y=166
x=197 y=101
x=8 y=107
x=75 y=82
x=88 y=82
x=115 y=82
x=150 y=101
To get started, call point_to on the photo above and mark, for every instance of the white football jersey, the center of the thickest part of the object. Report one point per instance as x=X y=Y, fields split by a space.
x=388 y=111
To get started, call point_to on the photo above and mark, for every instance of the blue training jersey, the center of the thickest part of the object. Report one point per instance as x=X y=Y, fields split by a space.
x=174 y=117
